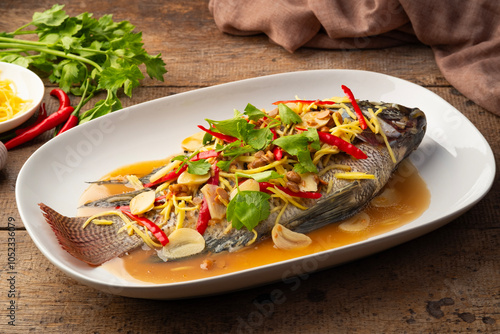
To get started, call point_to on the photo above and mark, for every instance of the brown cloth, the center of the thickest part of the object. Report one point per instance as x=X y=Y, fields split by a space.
x=463 y=34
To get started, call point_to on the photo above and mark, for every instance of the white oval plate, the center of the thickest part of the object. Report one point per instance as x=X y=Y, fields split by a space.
x=454 y=159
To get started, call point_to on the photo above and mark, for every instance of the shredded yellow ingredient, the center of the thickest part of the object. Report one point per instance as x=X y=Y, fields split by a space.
x=285 y=197
x=282 y=211
x=255 y=235
x=354 y=176
x=107 y=213
x=10 y=103
x=263 y=168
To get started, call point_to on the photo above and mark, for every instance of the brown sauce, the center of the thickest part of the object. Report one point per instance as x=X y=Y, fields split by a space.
x=145 y=266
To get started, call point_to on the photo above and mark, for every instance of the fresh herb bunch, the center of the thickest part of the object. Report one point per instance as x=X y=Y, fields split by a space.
x=84 y=56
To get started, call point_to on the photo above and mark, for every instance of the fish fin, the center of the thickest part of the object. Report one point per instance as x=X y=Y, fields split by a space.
x=94 y=244
x=340 y=206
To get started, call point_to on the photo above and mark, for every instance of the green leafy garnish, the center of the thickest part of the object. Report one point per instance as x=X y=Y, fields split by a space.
x=234 y=149
x=225 y=164
x=232 y=127
x=287 y=115
x=200 y=167
x=259 y=138
x=248 y=209
x=254 y=113
x=298 y=145
x=207 y=138
x=82 y=53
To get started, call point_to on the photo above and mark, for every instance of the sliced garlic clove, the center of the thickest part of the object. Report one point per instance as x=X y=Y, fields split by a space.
x=308 y=182
x=388 y=197
x=248 y=185
x=311 y=119
x=194 y=142
x=183 y=242
x=217 y=210
x=356 y=223
x=192 y=179
x=142 y=202
x=287 y=239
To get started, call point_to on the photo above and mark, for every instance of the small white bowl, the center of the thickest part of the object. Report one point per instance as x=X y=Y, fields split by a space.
x=29 y=87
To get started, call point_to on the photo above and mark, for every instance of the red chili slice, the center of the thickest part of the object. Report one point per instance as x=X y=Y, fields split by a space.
x=361 y=118
x=152 y=227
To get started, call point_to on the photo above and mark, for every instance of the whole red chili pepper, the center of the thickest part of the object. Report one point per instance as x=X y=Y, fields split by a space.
x=152 y=227
x=303 y=194
x=62 y=96
x=219 y=135
x=361 y=118
x=70 y=123
x=64 y=101
x=42 y=114
x=203 y=218
x=50 y=122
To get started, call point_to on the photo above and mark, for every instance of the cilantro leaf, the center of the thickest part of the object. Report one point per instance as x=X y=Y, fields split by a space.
x=51 y=17
x=225 y=164
x=248 y=209
x=259 y=138
x=231 y=127
x=199 y=167
x=235 y=149
x=207 y=138
x=287 y=115
x=298 y=145
x=254 y=113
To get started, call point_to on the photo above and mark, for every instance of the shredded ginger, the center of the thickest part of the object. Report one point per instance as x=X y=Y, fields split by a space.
x=10 y=103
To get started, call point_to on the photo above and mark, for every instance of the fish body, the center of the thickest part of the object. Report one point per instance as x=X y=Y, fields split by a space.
x=404 y=129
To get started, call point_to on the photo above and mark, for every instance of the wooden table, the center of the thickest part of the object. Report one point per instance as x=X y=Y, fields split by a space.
x=446 y=281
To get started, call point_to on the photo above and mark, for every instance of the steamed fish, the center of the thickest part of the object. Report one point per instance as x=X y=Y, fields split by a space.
x=279 y=173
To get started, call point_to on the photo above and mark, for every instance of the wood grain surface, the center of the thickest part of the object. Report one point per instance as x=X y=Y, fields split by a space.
x=447 y=281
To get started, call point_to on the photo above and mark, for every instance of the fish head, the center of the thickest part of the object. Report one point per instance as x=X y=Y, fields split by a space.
x=404 y=127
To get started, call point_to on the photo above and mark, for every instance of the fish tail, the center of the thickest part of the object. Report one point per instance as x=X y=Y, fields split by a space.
x=94 y=244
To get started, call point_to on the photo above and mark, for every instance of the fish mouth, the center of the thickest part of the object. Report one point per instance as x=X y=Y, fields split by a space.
x=412 y=133
x=404 y=127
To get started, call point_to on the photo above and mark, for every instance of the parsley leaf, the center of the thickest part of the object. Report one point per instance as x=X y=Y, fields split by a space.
x=248 y=209
x=81 y=51
x=231 y=127
x=287 y=115
x=259 y=138
x=234 y=149
x=199 y=167
x=254 y=113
